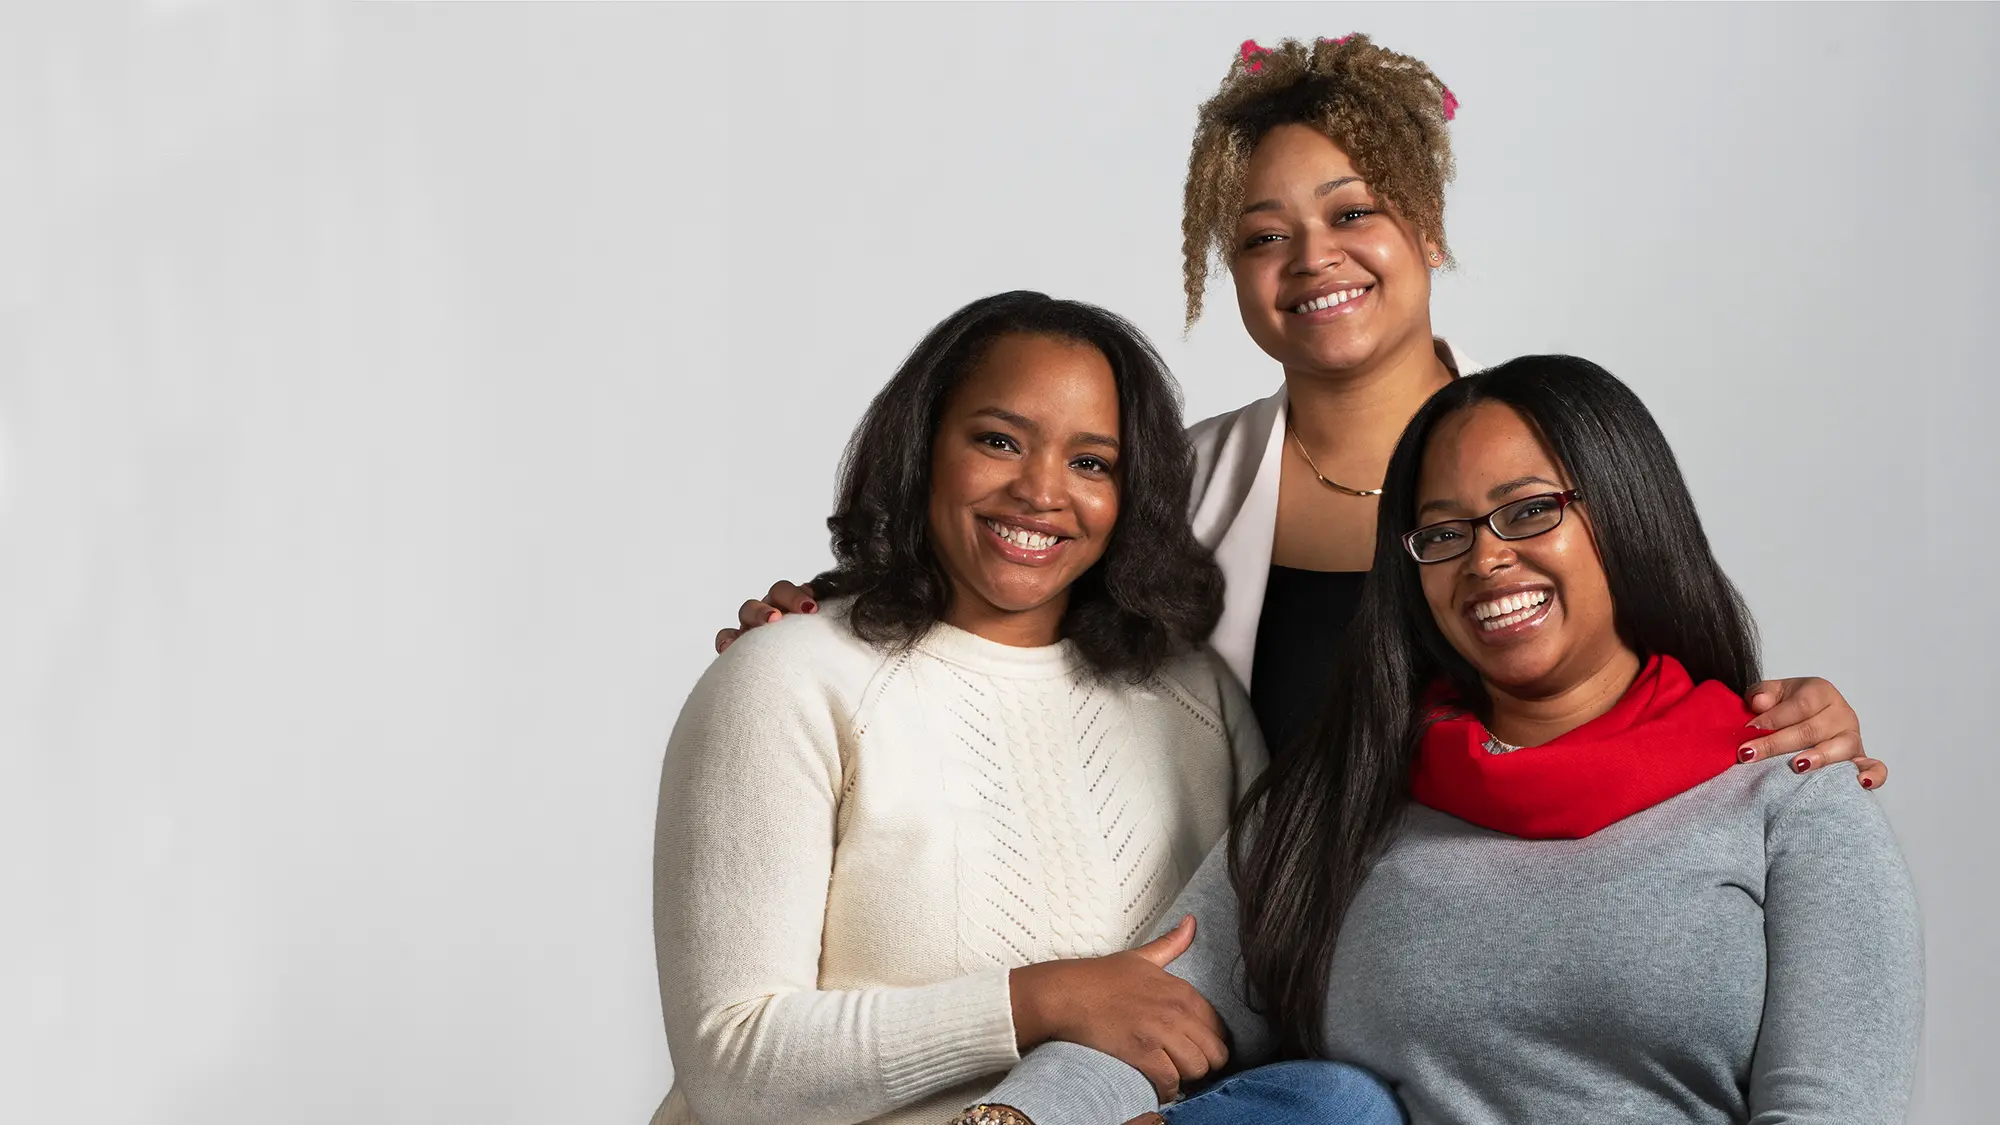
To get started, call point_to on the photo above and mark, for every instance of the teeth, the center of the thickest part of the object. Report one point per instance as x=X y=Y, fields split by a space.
x=1022 y=537
x=1513 y=608
x=1337 y=297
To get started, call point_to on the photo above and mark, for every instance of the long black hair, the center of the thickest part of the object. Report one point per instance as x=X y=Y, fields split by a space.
x=1154 y=592
x=1314 y=823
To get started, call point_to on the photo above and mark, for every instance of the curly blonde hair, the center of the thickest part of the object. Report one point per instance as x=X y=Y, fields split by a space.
x=1386 y=111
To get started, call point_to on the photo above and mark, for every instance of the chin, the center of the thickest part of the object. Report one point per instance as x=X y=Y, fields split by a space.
x=1519 y=677
x=1328 y=353
x=1517 y=669
x=1009 y=598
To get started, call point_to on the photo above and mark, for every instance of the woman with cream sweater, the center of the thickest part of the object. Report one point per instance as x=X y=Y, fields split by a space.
x=905 y=838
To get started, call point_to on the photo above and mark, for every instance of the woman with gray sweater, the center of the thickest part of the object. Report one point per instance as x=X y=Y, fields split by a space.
x=1512 y=877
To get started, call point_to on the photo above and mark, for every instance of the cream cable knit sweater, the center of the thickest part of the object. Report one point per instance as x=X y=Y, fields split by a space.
x=855 y=847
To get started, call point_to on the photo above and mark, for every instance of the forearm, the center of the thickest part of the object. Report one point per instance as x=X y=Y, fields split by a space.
x=839 y=1057
x=1063 y=1083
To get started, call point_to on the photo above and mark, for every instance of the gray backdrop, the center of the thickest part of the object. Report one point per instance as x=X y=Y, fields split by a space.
x=394 y=400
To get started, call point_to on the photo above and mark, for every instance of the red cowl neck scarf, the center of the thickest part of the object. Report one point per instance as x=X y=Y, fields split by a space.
x=1666 y=736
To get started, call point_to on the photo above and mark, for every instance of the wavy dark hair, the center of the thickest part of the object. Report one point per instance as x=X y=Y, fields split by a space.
x=1155 y=592
x=1320 y=816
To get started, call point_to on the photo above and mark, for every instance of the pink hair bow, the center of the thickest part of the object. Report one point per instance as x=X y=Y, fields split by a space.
x=1253 y=55
x=1253 y=61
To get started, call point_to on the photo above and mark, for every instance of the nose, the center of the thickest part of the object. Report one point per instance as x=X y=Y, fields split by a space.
x=1039 y=482
x=1490 y=554
x=1316 y=251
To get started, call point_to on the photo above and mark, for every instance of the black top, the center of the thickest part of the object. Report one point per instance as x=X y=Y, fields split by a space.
x=1305 y=614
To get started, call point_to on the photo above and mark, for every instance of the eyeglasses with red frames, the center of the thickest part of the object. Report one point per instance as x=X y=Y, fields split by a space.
x=1517 y=519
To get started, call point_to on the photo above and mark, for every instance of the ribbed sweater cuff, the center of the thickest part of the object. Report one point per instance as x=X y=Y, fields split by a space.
x=1066 y=1084
x=948 y=1033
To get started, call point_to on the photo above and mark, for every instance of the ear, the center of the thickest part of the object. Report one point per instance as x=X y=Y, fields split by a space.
x=1433 y=254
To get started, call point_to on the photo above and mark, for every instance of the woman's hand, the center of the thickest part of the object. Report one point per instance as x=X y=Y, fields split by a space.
x=1129 y=1007
x=783 y=598
x=1810 y=720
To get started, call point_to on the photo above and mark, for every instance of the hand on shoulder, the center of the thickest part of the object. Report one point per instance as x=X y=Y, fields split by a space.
x=781 y=599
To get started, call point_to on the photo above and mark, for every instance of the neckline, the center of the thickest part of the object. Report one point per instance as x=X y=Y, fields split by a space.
x=954 y=645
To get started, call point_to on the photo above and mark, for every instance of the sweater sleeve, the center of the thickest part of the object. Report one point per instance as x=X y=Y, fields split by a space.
x=1067 y=1084
x=1844 y=988
x=743 y=854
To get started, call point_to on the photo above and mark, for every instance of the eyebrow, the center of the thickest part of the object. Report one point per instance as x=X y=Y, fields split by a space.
x=1320 y=192
x=1029 y=424
x=1497 y=492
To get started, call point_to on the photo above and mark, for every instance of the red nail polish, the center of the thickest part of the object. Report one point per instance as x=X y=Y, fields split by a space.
x=808 y=606
x=1801 y=765
x=1867 y=783
x=1746 y=754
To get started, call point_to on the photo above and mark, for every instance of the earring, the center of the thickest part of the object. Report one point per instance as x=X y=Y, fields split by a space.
x=1436 y=257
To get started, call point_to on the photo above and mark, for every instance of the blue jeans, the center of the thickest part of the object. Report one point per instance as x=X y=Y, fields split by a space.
x=1303 y=1092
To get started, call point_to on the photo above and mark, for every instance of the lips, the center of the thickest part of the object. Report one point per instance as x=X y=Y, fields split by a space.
x=1499 y=615
x=1333 y=298
x=1028 y=539
x=1024 y=542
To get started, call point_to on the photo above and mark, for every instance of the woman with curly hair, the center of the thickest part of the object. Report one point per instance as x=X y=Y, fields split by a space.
x=1317 y=178
x=905 y=838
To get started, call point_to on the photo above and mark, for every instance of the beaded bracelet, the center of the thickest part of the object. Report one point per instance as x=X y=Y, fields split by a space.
x=984 y=1114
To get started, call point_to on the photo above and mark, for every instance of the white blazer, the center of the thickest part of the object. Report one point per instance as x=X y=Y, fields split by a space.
x=1238 y=457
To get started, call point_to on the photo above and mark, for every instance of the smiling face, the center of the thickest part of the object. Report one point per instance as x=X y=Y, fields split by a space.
x=1328 y=279
x=1024 y=484
x=1533 y=616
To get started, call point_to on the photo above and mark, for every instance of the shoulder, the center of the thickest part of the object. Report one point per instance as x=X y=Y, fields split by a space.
x=1209 y=433
x=1832 y=790
x=1201 y=673
x=1772 y=786
x=1821 y=810
x=1228 y=449
x=800 y=655
x=1200 y=683
x=1455 y=358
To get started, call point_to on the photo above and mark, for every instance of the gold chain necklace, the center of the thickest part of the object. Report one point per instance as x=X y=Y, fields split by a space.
x=1333 y=484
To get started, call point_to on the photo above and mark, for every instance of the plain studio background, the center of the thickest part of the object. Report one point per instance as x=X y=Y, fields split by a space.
x=394 y=401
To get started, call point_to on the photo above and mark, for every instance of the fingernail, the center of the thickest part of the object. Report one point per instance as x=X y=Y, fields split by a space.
x=774 y=616
x=1747 y=754
x=1801 y=765
x=1867 y=783
x=808 y=606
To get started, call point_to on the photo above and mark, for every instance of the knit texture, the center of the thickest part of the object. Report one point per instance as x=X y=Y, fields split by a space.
x=1746 y=952
x=854 y=847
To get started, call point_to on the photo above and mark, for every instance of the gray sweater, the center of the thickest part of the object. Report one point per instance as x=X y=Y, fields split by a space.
x=1745 y=952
